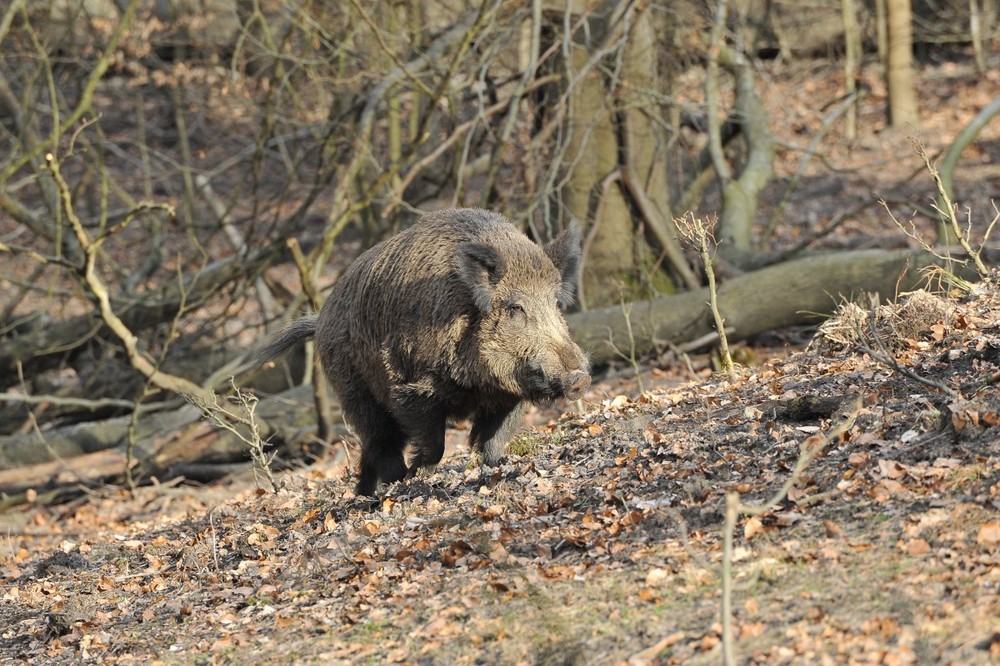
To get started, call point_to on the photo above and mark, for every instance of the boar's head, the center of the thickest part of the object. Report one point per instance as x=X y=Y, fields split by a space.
x=522 y=340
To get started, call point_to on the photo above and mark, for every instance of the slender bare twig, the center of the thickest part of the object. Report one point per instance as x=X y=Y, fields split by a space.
x=205 y=399
x=948 y=211
x=700 y=236
x=400 y=65
x=66 y=401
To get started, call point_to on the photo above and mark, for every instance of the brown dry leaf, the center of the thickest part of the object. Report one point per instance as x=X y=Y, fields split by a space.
x=618 y=401
x=916 y=547
x=787 y=518
x=886 y=489
x=858 y=459
x=891 y=469
x=155 y=562
x=751 y=629
x=498 y=554
x=795 y=494
x=752 y=527
x=633 y=517
x=649 y=655
x=708 y=641
x=657 y=576
x=329 y=523
x=492 y=511
x=963 y=414
x=222 y=643
x=989 y=533
x=557 y=572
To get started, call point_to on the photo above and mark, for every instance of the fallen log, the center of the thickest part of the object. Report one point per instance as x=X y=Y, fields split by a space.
x=796 y=292
x=165 y=442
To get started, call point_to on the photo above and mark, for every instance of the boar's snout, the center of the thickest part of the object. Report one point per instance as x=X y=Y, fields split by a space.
x=543 y=386
x=578 y=383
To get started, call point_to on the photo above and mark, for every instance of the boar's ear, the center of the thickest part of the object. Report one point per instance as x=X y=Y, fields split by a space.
x=564 y=251
x=480 y=267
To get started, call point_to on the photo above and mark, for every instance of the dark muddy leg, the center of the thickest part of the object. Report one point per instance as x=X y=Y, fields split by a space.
x=492 y=430
x=382 y=440
x=425 y=428
x=382 y=457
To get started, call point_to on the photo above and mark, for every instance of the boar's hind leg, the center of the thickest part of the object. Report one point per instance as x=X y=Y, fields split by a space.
x=492 y=429
x=382 y=439
x=381 y=457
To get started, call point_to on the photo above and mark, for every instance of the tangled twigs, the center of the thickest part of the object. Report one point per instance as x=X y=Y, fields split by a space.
x=237 y=420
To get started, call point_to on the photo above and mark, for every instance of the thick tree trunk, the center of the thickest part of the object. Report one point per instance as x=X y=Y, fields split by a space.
x=591 y=158
x=740 y=195
x=615 y=156
x=899 y=65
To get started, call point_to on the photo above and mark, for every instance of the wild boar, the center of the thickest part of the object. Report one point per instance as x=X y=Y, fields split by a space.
x=458 y=317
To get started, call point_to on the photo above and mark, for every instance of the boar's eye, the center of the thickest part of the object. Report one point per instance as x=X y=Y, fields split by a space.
x=515 y=310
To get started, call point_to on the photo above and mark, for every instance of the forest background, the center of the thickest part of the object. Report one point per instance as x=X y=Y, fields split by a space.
x=177 y=178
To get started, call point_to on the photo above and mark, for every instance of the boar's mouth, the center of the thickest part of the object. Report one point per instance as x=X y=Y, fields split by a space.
x=542 y=387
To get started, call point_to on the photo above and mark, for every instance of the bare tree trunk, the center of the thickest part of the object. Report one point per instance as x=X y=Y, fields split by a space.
x=899 y=65
x=881 y=32
x=976 y=34
x=592 y=157
x=852 y=56
x=615 y=156
x=740 y=195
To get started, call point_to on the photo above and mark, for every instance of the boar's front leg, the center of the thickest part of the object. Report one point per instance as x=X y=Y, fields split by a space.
x=424 y=425
x=423 y=418
x=493 y=427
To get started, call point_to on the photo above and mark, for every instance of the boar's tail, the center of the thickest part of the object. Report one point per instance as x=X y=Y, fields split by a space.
x=295 y=333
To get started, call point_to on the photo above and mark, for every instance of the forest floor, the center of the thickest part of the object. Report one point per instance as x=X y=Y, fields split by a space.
x=600 y=540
